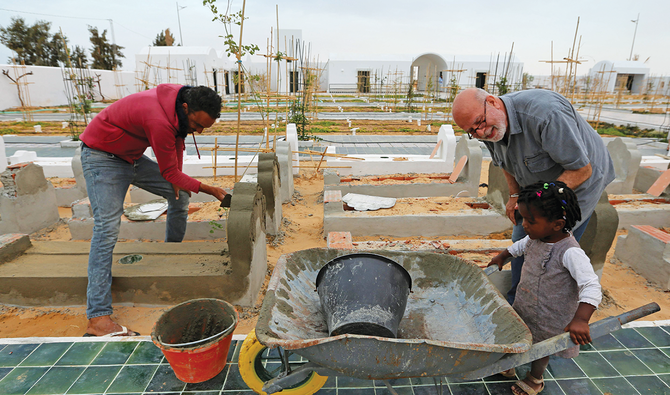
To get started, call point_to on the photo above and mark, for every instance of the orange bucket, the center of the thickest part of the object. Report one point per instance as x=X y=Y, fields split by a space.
x=195 y=337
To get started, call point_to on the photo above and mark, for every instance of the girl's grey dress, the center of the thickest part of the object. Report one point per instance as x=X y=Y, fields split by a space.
x=547 y=296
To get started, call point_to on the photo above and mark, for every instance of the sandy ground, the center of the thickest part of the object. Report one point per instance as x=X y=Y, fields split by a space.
x=302 y=228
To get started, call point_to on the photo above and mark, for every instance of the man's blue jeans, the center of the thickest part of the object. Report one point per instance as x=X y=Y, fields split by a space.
x=517 y=263
x=107 y=180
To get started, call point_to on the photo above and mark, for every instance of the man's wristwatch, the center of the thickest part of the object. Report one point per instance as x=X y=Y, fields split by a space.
x=514 y=195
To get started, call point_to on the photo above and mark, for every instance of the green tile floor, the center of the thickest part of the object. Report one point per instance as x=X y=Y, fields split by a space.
x=629 y=361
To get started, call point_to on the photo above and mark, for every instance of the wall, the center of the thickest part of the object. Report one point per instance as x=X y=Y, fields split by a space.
x=46 y=87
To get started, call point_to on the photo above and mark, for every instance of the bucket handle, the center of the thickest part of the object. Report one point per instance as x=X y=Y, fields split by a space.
x=194 y=343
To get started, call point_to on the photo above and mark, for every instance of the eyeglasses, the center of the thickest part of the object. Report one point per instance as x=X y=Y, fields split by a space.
x=475 y=130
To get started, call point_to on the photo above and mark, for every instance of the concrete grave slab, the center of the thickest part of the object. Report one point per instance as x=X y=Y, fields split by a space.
x=246 y=233
x=443 y=162
x=55 y=273
x=284 y=157
x=626 y=159
x=646 y=250
x=467 y=183
x=471 y=222
x=268 y=179
x=27 y=199
x=66 y=196
x=599 y=234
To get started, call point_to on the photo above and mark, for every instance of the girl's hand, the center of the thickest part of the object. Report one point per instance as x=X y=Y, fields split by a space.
x=579 y=326
x=579 y=331
x=497 y=260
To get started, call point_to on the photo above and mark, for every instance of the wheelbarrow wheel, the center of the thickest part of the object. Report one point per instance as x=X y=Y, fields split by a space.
x=255 y=373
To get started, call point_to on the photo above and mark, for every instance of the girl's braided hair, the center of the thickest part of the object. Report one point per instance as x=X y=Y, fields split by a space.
x=554 y=200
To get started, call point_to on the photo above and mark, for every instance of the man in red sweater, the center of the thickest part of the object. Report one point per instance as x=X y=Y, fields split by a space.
x=112 y=158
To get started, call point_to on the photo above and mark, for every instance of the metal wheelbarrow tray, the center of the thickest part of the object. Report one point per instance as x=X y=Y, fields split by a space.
x=456 y=324
x=455 y=320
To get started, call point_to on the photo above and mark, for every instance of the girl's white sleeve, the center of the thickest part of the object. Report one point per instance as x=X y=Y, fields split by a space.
x=579 y=266
x=518 y=248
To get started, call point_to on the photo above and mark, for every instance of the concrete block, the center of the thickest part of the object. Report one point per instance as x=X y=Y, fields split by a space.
x=626 y=159
x=78 y=172
x=497 y=193
x=292 y=138
x=28 y=201
x=268 y=179
x=646 y=177
x=469 y=177
x=647 y=251
x=330 y=177
x=246 y=238
x=81 y=209
x=66 y=196
x=340 y=240
x=649 y=214
x=599 y=234
x=22 y=156
x=284 y=157
x=447 y=150
x=13 y=245
x=3 y=155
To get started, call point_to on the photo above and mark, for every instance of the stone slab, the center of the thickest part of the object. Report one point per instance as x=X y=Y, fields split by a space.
x=55 y=274
x=647 y=252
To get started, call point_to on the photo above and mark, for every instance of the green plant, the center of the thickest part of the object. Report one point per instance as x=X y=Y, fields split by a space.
x=503 y=88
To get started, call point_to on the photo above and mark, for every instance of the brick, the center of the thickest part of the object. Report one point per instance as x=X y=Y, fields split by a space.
x=332 y=196
x=13 y=245
x=654 y=232
x=340 y=240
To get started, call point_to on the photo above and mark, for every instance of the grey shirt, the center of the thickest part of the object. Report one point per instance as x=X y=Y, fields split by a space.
x=546 y=137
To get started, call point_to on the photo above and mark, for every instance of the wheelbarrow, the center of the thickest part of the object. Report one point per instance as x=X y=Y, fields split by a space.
x=456 y=325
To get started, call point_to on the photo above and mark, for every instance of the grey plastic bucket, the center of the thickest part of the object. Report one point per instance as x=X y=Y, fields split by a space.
x=363 y=294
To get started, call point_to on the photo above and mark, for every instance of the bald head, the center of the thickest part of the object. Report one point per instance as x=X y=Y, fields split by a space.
x=467 y=106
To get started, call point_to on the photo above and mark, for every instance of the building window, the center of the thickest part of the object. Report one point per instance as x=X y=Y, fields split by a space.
x=294 y=78
x=363 y=85
x=239 y=86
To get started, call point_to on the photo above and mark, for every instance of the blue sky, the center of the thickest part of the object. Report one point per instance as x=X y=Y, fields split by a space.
x=383 y=27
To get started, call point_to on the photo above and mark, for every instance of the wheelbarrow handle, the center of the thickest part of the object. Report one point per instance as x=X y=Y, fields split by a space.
x=638 y=313
x=559 y=343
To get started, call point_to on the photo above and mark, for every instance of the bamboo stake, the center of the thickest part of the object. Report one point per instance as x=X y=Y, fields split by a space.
x=320 y=161
x=239 y=87
x=216 y=154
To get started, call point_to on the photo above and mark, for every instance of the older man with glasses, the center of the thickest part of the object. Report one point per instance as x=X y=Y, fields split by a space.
x=536 y=135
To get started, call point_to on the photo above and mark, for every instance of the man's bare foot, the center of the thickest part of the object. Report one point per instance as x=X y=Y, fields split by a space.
x=100 y=326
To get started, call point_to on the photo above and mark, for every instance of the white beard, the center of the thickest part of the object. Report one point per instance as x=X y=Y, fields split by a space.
x=497 y=134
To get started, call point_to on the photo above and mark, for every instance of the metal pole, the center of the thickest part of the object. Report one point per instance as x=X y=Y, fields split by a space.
x=181 y=40
x=634 y=34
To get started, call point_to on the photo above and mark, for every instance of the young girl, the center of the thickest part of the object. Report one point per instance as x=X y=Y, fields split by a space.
x=559 y=290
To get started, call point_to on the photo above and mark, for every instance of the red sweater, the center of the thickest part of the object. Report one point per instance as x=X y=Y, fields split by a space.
x=130 y=125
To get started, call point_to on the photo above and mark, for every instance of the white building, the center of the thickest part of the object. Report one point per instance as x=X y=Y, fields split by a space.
x=428 y=72
x=629 y=76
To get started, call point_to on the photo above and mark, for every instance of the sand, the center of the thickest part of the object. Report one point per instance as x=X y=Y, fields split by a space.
x=302 y=228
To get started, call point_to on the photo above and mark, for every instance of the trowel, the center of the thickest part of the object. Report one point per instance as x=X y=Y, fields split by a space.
x=226 y=199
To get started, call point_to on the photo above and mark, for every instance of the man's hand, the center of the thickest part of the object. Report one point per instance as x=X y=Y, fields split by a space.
x=177 y=188
x=217 y=192
x=510 y=208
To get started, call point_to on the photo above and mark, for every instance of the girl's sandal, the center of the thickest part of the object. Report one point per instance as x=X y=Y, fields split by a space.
x=526 y=388
x=509 y=373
